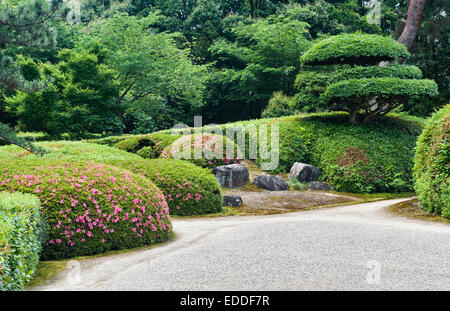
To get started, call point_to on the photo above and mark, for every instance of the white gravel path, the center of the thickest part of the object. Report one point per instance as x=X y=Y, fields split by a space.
x=357 y=247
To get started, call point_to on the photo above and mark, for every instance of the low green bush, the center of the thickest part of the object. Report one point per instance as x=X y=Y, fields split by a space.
x=432 y=164
x=212 y=149
x=77 y=151
x=20 y=230
x=188 y=189
x=90 y=208
x=279 y=106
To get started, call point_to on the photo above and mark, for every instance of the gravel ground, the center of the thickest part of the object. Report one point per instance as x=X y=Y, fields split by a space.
x=358 y=247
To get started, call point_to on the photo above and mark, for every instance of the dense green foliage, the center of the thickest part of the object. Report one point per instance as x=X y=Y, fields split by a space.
x=188 y=189
x=20 y=232
x=90 y=208
x=375 y=157
x=432 y=164
x=354 y=49
x=365 y=92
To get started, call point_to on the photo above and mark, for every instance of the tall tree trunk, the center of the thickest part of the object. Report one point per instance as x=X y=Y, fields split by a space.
x=415 y=14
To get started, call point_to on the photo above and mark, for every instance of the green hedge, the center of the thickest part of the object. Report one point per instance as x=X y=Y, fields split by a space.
x=147 y=146
x=374 y=157
x=432 y=164
x=90 y=208
x=354 y=49
x=20 y=229
x=188 y=189
x=69 y=151
x=209 y=145
x=383 y=87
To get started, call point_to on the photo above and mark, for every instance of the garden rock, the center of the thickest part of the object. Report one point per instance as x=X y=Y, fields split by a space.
x=232 y=200
x=317 y=185
x=231 y=176
x=304 y=172
x=271 y=183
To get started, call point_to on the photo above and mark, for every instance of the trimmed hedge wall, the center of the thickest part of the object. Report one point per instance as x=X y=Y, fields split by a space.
x=383 y=87
x=90 y=208
x=20 y=229
x=354 y=49
x=432 y=164
x=68 y=150
x=187 y=188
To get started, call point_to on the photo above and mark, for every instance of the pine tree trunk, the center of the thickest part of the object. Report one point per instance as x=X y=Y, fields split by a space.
x=415 y=14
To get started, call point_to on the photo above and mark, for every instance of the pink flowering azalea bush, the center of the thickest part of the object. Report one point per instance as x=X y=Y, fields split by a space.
x=187 y=188
x=90 y=208
x=212 y=148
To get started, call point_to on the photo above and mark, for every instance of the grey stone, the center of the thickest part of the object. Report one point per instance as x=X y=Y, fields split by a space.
x=271 y=183
x=232 y=200
x=317 y=185
x=231 y=176
x=304 y=172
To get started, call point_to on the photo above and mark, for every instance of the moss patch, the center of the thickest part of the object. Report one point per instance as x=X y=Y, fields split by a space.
x=411 y=209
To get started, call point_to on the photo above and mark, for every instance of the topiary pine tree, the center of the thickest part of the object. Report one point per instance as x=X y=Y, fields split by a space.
x=23 y=23
x=361 y=87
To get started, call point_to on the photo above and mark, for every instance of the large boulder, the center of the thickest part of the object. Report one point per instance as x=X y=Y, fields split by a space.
x=271 y=183
x=231 y=176
x=232 y=200
x=317 y=185
x=304 y=172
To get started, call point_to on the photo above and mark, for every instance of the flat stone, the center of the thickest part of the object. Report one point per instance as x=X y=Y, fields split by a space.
x=232 y=200
x=304 y=172
x=317 y=185
x=271 y=183
x=231 y=176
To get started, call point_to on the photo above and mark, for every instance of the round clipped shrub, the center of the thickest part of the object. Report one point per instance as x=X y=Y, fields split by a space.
x=354 y=49
x=187 y=188
x=203 y=150
x=432 y=164
x=147 y=146
x=361 y=72
x=90 y=208
x=279 y=106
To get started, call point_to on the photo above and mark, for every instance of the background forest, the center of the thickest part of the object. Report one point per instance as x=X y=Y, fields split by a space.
x=138 y=66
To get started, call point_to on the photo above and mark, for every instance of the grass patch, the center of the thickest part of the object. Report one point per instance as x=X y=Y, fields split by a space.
x=411 y=209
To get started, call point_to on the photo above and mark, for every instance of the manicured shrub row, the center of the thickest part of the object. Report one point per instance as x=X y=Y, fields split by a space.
x=213 y=150
x=90 y=208
x=382 y=87
x=346 y=48
x=188 y=189
x=20 y=232
x=375 y=157
x=69 y=151
x=432 y=164
x=148 y=146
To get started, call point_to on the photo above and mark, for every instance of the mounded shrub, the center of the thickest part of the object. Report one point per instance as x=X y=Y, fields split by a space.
x=188 y=189
x=90 y=208
x=20 y=232
x=212 y=150
x=354 y=48
x=68 y=150
x=360 y=72
x=432 y=164
x=279 y=106
x=148 y=146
